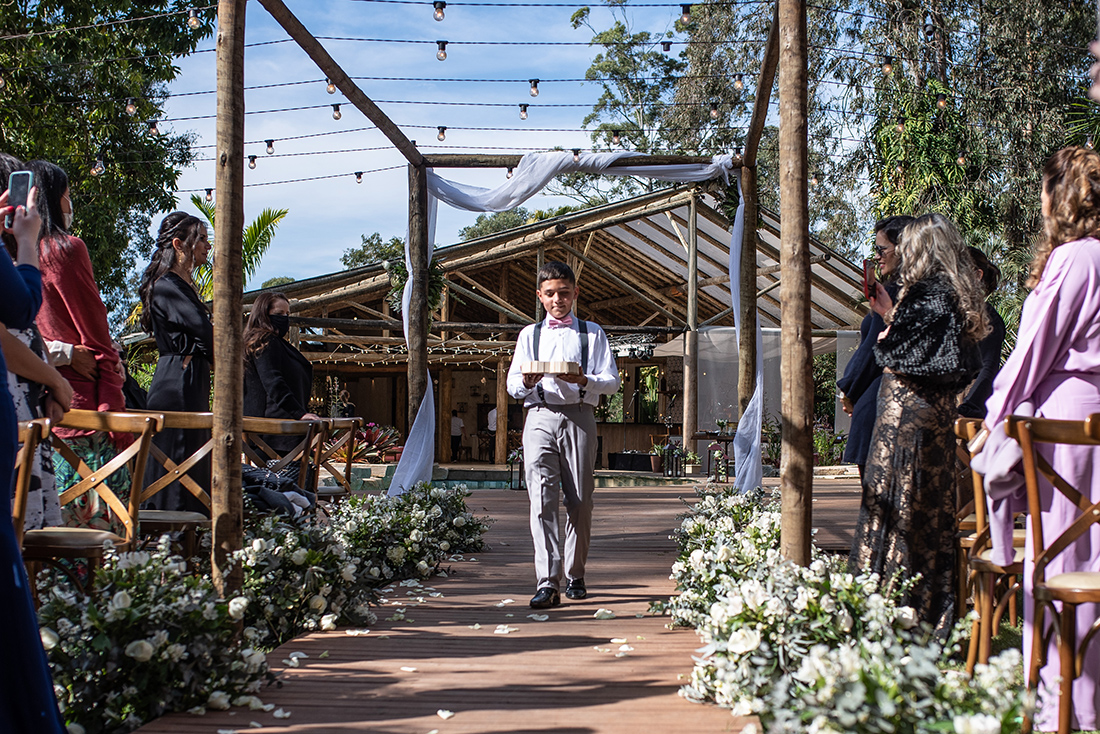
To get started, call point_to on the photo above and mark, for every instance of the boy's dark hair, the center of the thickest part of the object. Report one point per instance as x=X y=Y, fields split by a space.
x=555 y=271
x=991 y=274
x=893 y=226
x=454 y=412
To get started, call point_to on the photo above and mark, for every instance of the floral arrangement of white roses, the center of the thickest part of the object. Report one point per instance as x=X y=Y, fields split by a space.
x=816 y=648
x=148 y=640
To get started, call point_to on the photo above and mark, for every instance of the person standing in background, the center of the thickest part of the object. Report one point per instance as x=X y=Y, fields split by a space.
x=458 y=433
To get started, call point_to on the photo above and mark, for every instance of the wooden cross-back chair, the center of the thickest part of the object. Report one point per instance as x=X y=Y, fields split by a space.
x=1070 y=589
x=990 y=581
x=49 y=545
x=306 y=453
x=158 y=522
x=343 y=434
x=31 y=434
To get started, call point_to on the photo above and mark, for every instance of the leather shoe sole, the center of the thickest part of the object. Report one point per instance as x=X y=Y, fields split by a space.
x=576 y=590
x=545 y=598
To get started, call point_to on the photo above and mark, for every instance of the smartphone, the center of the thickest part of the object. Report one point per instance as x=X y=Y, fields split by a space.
x=869 y=280
x=19 y=188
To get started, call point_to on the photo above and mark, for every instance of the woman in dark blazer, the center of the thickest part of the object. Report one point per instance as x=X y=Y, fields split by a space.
x=859 y=385
x=278 y=380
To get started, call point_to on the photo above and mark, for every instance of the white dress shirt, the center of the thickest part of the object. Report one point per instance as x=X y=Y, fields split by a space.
x=564 y=344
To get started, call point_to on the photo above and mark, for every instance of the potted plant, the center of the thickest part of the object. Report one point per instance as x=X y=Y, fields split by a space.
x=692 y=466
x=656 y=458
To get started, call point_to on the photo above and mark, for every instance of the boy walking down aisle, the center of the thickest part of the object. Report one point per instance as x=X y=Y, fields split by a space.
x=559 y=435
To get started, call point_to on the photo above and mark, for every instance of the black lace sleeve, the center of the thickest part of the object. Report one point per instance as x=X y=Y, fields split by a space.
x=926 y=341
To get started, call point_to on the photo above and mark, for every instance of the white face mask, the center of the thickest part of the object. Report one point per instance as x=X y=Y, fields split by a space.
x=67 y=220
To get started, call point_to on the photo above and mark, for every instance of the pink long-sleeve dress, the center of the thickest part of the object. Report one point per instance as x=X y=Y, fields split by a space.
x=1056 y=367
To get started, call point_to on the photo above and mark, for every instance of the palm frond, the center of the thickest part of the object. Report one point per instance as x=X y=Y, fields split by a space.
x=257 y=237
x=205 y=207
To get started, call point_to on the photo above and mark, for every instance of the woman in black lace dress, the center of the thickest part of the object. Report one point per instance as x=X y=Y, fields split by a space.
x=928 y=352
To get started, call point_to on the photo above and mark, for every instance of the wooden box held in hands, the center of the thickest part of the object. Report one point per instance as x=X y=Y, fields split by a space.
x=550 y=368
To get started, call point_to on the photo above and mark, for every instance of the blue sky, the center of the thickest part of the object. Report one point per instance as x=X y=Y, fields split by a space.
x=328 y=215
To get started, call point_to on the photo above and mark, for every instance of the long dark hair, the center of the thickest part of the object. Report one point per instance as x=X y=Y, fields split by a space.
x=177 y=224
x=52 y=183
x=259 y=328
x=9 y=164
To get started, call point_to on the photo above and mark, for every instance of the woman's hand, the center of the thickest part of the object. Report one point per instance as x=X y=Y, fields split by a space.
x=881 y=303
x=846 y=404
x=83 y=361
x=310 y=417
x=26 y=226
x=54 y=411
x=61 y=391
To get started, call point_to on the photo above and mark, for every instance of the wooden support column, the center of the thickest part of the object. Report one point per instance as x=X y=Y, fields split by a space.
x=227 y=503
x=443 y=430
x=796 y=470
x=540 y=260
x=500 y=454
x=418 y=301
x=691 y=336
x=746 y=343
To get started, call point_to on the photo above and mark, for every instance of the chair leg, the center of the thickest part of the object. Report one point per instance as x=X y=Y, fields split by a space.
x=1067 y=647
x=1035 y=664
x=988 y=582
x=975 y=632
x=1013 y=614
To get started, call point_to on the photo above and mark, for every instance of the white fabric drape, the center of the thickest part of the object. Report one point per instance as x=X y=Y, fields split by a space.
x=534 y=171
x=746 y=445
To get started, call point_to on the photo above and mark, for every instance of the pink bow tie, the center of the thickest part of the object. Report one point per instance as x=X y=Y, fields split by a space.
x=553 y=323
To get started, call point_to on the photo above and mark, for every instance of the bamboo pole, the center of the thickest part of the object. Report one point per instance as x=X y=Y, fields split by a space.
x=691 y=356
x=418 y=316
x=796 y=470
x=227 y=505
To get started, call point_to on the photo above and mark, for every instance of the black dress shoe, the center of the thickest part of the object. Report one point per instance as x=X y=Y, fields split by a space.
x=576 y=590
x=545 y=598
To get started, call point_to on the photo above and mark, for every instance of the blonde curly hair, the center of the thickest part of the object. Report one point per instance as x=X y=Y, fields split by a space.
x=932 y=245
x=1071 y=184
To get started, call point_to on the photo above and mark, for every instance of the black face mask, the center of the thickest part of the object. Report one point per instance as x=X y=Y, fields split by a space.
x=280 y=322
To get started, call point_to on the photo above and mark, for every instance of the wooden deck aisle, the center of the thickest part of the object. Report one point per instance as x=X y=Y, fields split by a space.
x=559 y=675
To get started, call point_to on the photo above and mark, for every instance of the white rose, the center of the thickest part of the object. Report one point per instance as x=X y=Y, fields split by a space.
x=218 y=700
x=828 y=604
x=49 y=638
x=258 y=545
x=328 y=622
x=237 y=605
x=375 y=572
x=977 y=724
x=74 y=729
x=725 y=553
x=348 y=572
x=422 y=567
x=121 y=600
x=444 y=546
x=743 y=641
x=459 y=521
x=906 y=617
x=139 y=650
x=298 y=557
x=415 y=536
x=844 y=621
x=318 y=603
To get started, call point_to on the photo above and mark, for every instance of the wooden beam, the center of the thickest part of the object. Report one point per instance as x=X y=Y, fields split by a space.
x=691 y=353
x=490 y=299
x=763 y=93
x=651 y=299
x=747 y=274
x=343 y=82
x=353 y=325
x=481 y=160
x=418 y=315
x=796 y=466
x=227 y=502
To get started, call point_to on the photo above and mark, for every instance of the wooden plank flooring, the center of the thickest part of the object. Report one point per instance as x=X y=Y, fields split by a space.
x=559 y=675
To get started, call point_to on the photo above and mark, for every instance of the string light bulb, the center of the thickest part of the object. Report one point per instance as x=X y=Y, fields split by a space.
x=252 y=162
x=3 y=82
x=814 y=179
x=131 y=106
x=666 y=46
x=616 y=137
x=1088 y=142
x=509 y=173
x=193 y=21
x=534 y=87
x=153 y=129
x=738 y=82
x=209 y=195
x=442 y=133
x=941 y=100
x=737 y=151
x=358 y=177
x=98 y=168
x=576 y=155
x=900 y=127
x=685 y=13
x=336 y=115
x=438 y=5
x=961 y=160
x=441 y=54
x=714 y=110
x=523 y=112
x=270 y=146
x=330 y=87
x=888 y=65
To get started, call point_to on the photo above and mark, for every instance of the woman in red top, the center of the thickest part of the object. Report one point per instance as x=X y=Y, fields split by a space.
x=73 y=312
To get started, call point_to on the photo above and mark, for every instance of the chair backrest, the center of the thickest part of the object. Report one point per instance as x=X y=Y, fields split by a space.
x=142 y=426
x=342 y=433
x=1033 y=431
x=306 y=452
x=180 y=472
x=31 y=434
x=965 y=430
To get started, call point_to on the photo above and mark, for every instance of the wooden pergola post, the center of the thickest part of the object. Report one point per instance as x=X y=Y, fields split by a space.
x=418 y=297
x=500 y=451
x=227 y=503
x=691 y=336
x=796 y=470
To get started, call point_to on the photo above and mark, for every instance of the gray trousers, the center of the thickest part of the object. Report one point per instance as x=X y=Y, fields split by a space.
x=559 y=451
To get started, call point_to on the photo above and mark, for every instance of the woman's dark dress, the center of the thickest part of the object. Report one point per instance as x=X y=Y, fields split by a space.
x=907 y=519
x=990 y=349
x=27 y=702
x=860 y=385
x=278 y=381
x=182 y=329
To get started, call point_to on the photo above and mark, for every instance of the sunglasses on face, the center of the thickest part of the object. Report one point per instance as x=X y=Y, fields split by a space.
x=880 y=251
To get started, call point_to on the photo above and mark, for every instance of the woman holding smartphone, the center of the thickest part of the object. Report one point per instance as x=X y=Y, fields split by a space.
x=27 y=701
x=177 y=318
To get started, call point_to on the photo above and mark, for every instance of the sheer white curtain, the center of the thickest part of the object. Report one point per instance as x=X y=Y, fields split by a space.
x=534 y=171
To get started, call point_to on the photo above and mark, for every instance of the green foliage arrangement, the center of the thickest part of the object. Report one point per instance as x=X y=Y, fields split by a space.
x=372 y=441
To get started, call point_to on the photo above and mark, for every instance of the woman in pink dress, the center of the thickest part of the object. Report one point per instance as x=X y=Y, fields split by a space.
x=1055 y=370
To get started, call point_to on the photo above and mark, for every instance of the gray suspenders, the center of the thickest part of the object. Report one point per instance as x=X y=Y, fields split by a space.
x=582 y=327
